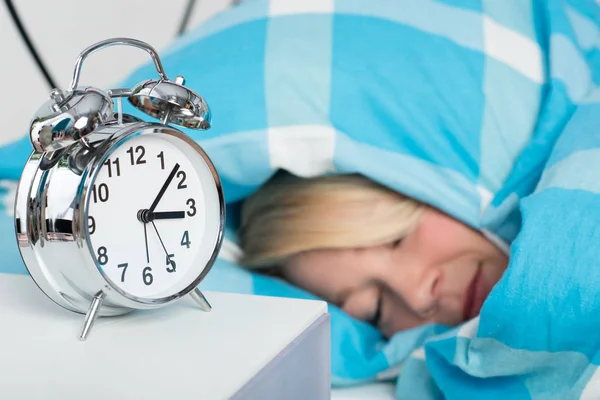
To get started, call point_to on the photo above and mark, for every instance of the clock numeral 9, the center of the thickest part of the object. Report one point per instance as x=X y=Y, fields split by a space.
x=147 y=276
x=181 y=185
x=100 y=193
x=185 y=240
x=102 y=256
x=142 y=152
x=117 y=166
x=91 y=225
x=171 y=263
x=192 y=211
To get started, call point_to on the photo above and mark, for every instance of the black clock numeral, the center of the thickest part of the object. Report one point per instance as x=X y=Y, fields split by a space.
x=91 y=225
x=124 y=266
x=161 y=155
x=192 y=203
x=171 y=263
x=142 y=152
x=117 y=165
x=102 y=256
x=185 y=240
x=147 y=276
x=182 y=185
x=100 y=193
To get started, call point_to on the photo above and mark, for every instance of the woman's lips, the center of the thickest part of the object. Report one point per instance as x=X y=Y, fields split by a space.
x=474 y=296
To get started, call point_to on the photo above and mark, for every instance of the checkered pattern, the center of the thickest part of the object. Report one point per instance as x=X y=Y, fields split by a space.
x=486 y=109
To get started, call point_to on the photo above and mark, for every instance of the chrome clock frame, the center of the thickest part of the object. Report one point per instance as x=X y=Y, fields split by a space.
x=52 y=232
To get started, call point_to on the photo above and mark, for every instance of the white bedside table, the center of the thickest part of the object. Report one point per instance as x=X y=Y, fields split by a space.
x=248 y=347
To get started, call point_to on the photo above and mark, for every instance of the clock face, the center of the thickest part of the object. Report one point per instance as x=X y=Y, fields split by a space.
x=153 y=216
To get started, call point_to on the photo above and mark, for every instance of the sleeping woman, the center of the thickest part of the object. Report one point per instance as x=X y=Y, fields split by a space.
x=390 y=157
x=378 y=255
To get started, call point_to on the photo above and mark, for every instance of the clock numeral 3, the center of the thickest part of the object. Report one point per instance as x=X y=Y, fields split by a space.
x=124 y=266
x=192 y=211
x=91 y=225
x=100 y=193
x=141 y=151
x=171 y=263
x=102 y=256
x=147 y=276
x=185 y=240
x=182 y=185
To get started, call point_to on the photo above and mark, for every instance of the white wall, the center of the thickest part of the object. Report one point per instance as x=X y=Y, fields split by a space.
x=61 y=29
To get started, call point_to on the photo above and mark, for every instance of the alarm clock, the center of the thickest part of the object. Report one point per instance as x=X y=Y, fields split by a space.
x=112 y=213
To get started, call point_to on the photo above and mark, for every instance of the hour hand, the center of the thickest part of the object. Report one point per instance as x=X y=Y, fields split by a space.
x=146 y=216
x=168 y=214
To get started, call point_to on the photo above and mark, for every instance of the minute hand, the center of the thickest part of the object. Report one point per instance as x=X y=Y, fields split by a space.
x=164 y=187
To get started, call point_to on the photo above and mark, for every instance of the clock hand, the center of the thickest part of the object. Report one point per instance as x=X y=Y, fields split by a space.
x=196 y=294
x=146 y=239
x=146 y=216
x=164 y=187
x=163 y=245
x=167 y=215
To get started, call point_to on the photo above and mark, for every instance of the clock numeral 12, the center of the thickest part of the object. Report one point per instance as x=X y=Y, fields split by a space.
x=140 y=160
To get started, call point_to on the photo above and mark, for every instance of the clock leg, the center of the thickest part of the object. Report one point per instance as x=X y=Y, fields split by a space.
x=91 y=315
x=201 y=300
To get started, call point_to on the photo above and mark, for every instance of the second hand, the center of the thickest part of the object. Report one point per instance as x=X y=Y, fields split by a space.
x=163 y=245
x=146 y=239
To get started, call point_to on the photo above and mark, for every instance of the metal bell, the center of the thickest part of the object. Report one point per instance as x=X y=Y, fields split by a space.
x=171 y=102
x=68 y=117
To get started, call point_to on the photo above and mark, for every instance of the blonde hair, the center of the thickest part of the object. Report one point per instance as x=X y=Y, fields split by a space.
x=289 y=215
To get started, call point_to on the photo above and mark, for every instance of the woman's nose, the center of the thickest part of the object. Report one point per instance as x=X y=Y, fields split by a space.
x=424 y=292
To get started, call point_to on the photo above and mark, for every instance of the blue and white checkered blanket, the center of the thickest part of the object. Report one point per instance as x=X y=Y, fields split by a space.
x=486 y=109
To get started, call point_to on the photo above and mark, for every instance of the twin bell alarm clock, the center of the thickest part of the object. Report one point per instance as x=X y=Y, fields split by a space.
x=112 y=213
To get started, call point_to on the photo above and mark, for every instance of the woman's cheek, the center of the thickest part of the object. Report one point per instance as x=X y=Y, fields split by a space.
x=361 y=303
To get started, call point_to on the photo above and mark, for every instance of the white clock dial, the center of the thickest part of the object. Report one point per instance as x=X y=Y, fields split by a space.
x=153 y=216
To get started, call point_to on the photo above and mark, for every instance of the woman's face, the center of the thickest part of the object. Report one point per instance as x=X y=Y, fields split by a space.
x=442 y=272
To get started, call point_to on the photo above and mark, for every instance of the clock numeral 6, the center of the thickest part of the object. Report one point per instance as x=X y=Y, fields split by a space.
x=185 y=240
x=102 y=256
x=147 y=276
x=91 y=225
x=171 y=263
x=100 y=193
